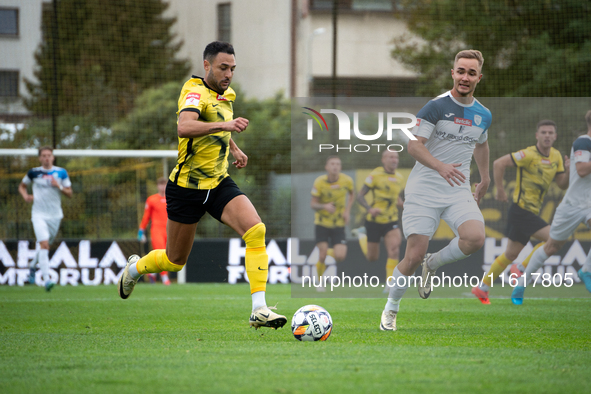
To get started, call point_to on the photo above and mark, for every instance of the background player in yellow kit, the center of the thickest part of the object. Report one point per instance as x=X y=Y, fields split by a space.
x=332 y=198
x=537 y=166
x=386 y=184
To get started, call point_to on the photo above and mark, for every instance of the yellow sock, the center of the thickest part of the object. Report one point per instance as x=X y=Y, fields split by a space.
x=156 y=261
x=320 y=268
x=330 y=252
x=257 y=260
x=363 y=244
x=390 y=265
x=497 y=267
x=526 y=261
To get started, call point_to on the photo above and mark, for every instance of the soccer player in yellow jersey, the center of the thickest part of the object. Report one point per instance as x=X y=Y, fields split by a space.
x=332 y=198
x=537 y=166
x=200 y=183
x=381 y=220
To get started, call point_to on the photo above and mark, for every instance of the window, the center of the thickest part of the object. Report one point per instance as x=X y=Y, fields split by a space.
x=8 y=84
x=8 y=22
x=224 y=22
x=357 y=5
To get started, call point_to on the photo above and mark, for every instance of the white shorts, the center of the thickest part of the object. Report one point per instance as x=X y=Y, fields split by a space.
x=46 y=229
x=566 y=220
x=423 y=218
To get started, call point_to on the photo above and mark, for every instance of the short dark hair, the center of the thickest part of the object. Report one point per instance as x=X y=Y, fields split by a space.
x=49 y=148
x=213 y=48
x=546 y=122
x=331 y=157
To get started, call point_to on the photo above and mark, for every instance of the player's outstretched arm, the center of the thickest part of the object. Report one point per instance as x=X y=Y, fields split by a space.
x=481 y=156
x=499 y=167
x=189 y=125
x=241 y=159
x=449 y=172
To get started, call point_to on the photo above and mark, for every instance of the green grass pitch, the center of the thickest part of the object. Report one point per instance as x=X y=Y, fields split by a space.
x=195 y=339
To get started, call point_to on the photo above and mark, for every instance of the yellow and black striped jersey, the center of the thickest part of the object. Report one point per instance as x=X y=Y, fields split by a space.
x=203 y=161
x=535 y=172
x=386 y=188
x=335 y=192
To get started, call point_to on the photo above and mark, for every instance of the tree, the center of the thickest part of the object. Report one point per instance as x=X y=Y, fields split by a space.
x=109 y=51
x=538 y=48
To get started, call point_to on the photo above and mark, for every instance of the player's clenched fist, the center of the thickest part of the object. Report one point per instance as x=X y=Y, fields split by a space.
x=238 y=125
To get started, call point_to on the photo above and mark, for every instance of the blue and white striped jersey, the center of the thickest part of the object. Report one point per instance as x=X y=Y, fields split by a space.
x=452 y=130
x=578 y=193
x=47 y=203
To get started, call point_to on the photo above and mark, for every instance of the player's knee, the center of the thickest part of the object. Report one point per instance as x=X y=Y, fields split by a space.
x=340 y=257
x=255 y=236
x=473 y=242
x=372 y=257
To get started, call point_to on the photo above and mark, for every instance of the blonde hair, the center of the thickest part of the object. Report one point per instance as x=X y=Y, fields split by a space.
x=470 y=54
x=588 y=119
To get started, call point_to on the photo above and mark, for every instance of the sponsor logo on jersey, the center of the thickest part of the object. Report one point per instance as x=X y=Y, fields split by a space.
x=519 y=155
x=222 y=98
x=545 y=161
x=462 y=121
x=579 y=153
x=335 y=186
x=450 y=114
x=391 y=178
x=418 y=122
x=193 y=99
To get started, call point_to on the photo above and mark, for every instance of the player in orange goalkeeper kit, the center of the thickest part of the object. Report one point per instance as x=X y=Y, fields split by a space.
x=200 y=184
x=155 y=211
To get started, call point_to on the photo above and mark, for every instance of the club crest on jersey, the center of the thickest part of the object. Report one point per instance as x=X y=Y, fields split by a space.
x=193 y=99
x=462 y=121
x=222 y=98
x=477 y=119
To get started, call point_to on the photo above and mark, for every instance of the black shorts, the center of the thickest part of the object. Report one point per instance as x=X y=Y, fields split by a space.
x=522 y=224
x=375 y=231
x=188 y=206
x=331 y=235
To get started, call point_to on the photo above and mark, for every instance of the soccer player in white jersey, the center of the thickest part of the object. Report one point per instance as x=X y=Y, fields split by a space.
x=574 y=209
x=48 y=183
x=450 y=129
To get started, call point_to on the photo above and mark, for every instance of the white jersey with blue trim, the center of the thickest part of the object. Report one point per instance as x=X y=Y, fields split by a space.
x=578 y=193
x=47 y=203
x=452 y=130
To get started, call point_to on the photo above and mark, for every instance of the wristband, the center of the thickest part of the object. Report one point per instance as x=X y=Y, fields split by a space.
x=61 y=188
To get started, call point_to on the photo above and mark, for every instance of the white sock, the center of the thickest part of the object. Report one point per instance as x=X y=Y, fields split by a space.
x=521 y=267
x=35 y=260
x=535 y=262
x=164 y=277
x=587 y=263
x=258 y=299
x=44 y=264
x=399 y=286
x=392 y=305
x=133 y=271
x=447 y=255
x=484 y=287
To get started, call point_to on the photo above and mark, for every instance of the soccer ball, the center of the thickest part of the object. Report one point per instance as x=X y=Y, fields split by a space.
x=311 y=323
